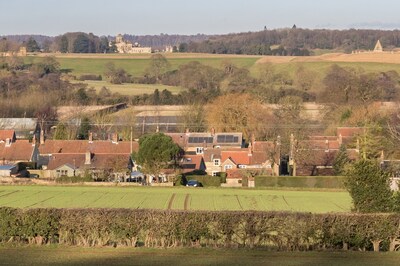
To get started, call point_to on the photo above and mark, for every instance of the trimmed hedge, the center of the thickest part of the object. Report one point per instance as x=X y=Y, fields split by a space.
x=334 y=182
x=271 y=230
x=207 y=180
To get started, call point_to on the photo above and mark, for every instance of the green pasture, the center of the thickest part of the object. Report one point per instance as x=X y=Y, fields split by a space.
x=137 y=66
x=64 y=255
x=130 y=89
x=176 y=198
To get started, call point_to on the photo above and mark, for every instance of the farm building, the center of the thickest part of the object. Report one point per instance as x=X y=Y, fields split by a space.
x=8 y=170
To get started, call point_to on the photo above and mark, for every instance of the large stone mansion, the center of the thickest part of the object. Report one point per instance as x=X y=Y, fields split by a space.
x=125 y=47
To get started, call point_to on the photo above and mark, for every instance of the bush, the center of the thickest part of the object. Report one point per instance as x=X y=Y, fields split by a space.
x=90 y=77
x=74 y=179
x=334 y=182
x=206 y=180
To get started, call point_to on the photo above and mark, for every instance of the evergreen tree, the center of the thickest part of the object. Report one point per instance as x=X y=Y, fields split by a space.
x=155 y=153
x=61 y=132
x=341 y=160
x=82 y=44
x=32 y=46
x=64 y=44
x=83 y=132
x=369 y=187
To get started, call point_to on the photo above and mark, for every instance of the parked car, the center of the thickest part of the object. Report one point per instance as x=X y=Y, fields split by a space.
x=23 y=173
x=193 y=183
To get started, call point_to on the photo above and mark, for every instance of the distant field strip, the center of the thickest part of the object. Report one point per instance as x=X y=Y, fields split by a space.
x=173 y=198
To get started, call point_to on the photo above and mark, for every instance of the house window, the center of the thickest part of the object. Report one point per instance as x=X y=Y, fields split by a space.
x=242 y=166
x=199 y=150
x=228 y=166
x=214 y=173
x=217 y=162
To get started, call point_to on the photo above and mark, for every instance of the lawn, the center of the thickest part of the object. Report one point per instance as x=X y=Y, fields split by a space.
x=129 y=88
x=63 y=255
x=176 y=198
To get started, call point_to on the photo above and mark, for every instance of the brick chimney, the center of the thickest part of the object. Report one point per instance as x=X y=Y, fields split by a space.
x=212 y=131
x=253 y=139
x=115 y=138
x=340 y=139
x=8 y=142
x=250 y=148
x=41 y=136
x=88 y=157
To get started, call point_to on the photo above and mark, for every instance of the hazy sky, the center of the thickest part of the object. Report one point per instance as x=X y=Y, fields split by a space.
x=109 y=17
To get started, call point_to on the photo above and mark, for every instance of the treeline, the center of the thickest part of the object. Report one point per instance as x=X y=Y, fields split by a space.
x=294 y=41
x=288 y=41
x=171 y=229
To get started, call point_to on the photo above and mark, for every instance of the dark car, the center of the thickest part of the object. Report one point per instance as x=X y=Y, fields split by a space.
x=23 y=173
x=193 y=183
x=33 y=175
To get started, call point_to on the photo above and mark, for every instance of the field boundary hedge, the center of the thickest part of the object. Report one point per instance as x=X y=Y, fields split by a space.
x=283 y=231
x=331 y=182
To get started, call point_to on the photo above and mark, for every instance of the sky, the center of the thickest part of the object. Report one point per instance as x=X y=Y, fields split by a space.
x=152 y=17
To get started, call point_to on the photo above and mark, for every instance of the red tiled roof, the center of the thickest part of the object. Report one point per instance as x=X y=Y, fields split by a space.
x=239 y=157
x=349 y=131
x=192 y=162
x=7 y=134
x=75 y=160
x=20 y=150
x=320 y=144
x=82 y=146
x=234 y=174
x=211 y=154
x=178 y=138
x=98 y=161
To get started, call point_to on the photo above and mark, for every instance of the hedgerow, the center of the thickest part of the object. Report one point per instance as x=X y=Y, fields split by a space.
x=284 y=231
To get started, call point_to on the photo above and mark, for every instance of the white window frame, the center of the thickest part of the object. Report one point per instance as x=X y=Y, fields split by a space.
x=242 y=166
x=228 y=166
x=214 y=173
x=199 y=150
x=217 y=162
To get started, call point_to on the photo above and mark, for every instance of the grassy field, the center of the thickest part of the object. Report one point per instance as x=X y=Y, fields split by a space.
x=136 y=66
x=62 y=255
x=177 y=198
x=129 y=88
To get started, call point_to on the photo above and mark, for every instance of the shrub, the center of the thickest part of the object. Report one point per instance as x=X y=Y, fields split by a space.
x=90 y=77
x=206 y=180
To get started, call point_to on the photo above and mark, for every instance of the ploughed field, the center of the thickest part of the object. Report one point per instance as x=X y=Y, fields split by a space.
x=176 y=198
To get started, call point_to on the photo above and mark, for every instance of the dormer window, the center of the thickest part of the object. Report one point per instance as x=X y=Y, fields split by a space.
x=199 y=150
